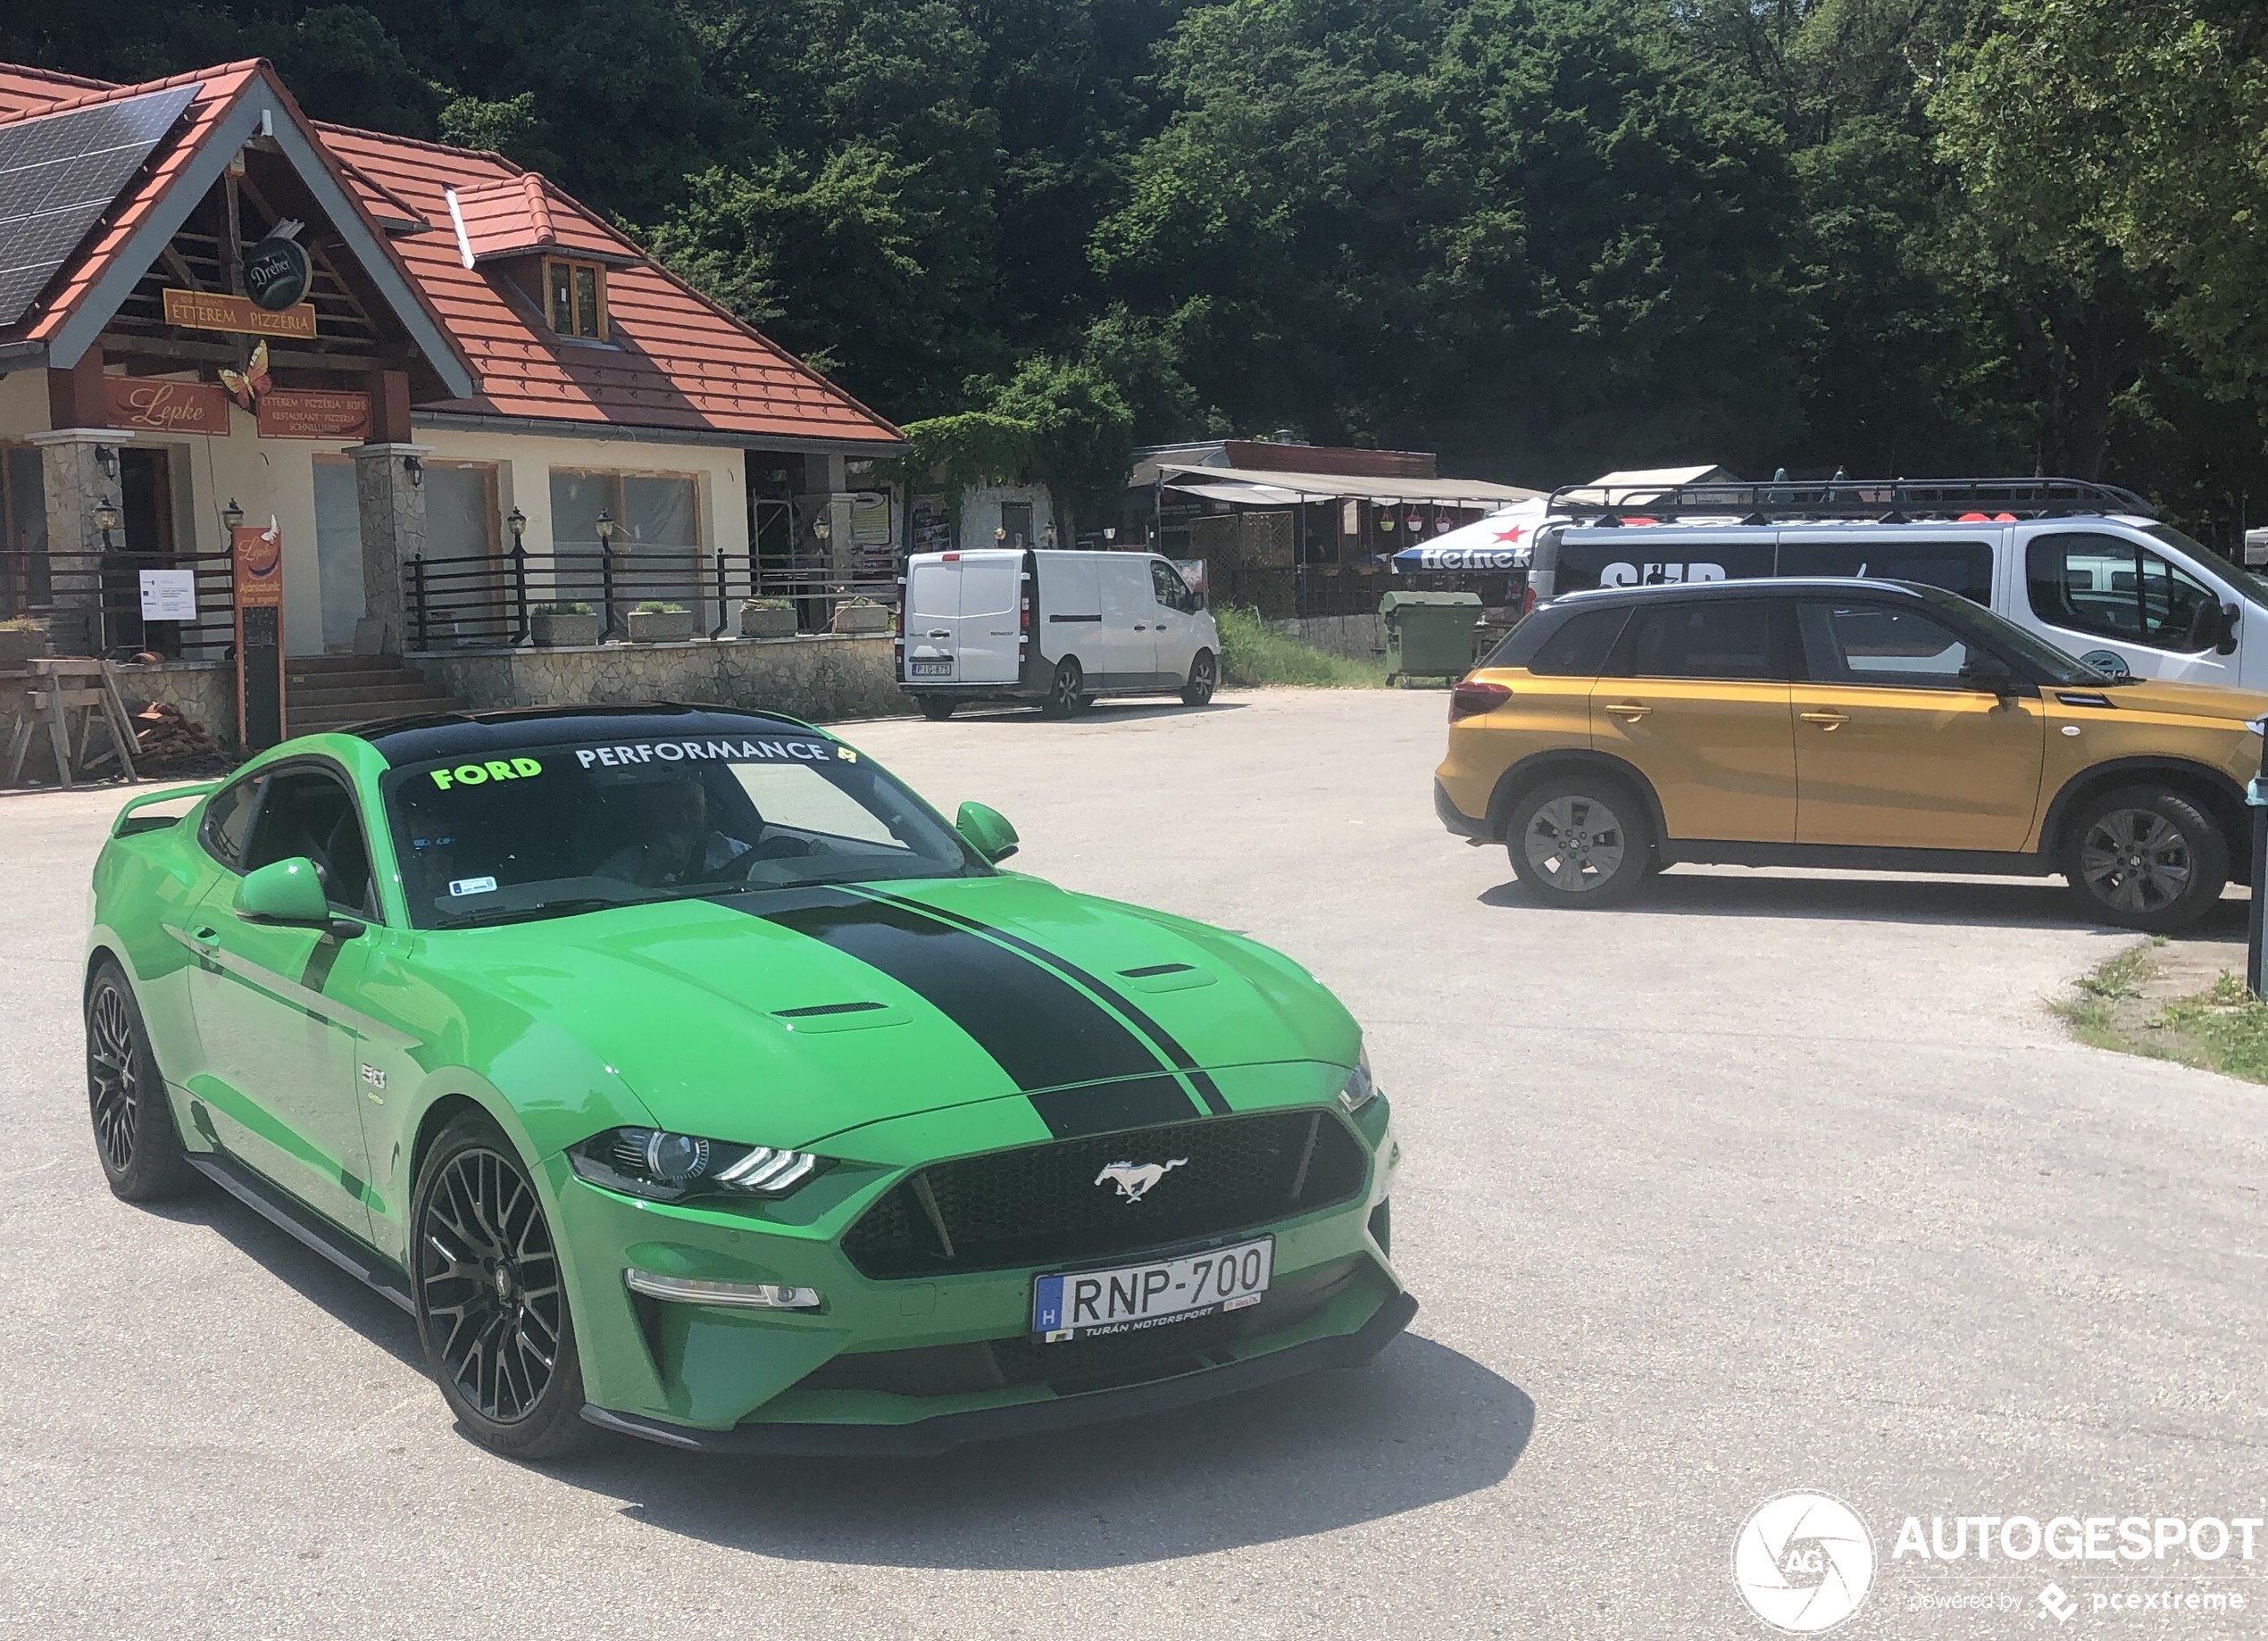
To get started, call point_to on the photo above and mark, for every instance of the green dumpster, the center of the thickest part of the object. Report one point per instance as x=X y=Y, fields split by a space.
x=1429 y=635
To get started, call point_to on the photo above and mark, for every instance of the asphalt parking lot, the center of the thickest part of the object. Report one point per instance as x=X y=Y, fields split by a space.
x=1766 y=1182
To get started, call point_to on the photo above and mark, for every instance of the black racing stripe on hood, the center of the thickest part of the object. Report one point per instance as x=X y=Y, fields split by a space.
x=1105 y=1108
x=1043 y=1031
x=1183 y=1061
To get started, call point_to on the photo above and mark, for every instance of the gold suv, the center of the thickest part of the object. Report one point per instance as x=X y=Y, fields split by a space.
x=1870 y=725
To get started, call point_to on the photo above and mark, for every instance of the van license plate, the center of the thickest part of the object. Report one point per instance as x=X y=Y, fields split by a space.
x=1080 y=1305
x=929 y=669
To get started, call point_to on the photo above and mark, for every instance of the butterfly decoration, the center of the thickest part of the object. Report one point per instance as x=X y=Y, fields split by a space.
x=252 y=381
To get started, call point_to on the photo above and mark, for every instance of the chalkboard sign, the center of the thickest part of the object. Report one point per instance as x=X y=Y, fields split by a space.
x=257 y=556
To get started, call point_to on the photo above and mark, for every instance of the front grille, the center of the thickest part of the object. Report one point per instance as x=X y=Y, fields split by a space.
x=1046 y=1205
x=1079 y=1365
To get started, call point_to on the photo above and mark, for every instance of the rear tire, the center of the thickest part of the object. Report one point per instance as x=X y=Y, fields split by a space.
x=1579 y=840
x=491 y=1296
x=1204 y=678
x=1066 y=690
x=936 y=709
x=136 y=1139
x=2146 y=858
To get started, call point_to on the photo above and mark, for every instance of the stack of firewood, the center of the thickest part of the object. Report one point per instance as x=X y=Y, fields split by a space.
x=164 y=733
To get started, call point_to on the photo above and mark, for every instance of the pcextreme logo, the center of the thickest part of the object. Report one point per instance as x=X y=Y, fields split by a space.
x=1803 y=1562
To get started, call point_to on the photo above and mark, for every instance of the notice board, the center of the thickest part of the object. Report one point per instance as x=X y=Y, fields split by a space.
x=256 y=553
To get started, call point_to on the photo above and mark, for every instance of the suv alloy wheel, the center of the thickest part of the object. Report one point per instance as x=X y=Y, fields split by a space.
x=2146 y=857
x=1579 y=840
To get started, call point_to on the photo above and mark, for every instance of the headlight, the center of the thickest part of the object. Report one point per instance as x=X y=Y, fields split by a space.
x=1361 y=1087
x=665 y=1167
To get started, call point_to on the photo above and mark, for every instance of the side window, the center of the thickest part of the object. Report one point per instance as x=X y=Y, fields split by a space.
x=308 y=812
x=1715 y=637
x=227 y=817
x=2116 y=588
x=1580 y=647
x=1871 y=644
x=1173 y=592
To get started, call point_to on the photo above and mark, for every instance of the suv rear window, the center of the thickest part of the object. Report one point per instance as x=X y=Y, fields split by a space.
x=1580 y=647
x=1717 y=637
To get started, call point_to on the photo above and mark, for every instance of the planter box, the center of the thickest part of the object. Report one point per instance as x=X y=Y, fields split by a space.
x=862 y=617
x=551 y=630
x=774 y=618
x=18 y=648
x=660 y=626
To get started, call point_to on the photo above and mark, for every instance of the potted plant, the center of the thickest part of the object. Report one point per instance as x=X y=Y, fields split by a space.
x=553 y=624
x=656 y=622
x=20 y=639
x=768 y=618
x=861 y=615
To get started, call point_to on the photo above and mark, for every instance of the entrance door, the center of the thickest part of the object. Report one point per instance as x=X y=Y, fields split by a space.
x=1015 y=518
x=280 y=1052
x=1703 y=714
x=1895 y=750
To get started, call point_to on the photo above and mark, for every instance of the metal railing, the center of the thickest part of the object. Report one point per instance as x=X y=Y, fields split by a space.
x=491 y=599
x=91 y=603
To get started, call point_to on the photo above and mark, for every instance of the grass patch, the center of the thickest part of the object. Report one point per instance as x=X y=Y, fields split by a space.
x=1253 y=653
x=2221 y=1029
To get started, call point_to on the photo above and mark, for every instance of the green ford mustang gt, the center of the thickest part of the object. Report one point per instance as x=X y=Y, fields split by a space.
x=685 y=1075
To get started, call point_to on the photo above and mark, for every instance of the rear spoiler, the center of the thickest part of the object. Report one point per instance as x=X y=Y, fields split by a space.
x=123 y=825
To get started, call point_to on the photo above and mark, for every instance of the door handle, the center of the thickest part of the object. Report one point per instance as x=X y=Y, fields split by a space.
x=941 y=632
x=1139 y=627
x=1829 y=721
x=1631 y=710
x=207 y=937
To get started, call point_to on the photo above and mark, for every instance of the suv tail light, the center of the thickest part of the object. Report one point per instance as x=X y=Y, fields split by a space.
x=1469 y=698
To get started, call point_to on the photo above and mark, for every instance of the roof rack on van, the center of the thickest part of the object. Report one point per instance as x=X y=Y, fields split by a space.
x=1886 y=501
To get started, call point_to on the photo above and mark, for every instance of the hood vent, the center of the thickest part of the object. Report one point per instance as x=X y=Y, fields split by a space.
x=819 y=1017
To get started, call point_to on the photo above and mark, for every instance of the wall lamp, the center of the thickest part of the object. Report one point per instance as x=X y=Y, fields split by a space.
x=106 y=459
x=415 y=469
x=231 y=516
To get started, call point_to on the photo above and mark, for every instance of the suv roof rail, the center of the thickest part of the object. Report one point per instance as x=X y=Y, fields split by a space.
x=1885 y=501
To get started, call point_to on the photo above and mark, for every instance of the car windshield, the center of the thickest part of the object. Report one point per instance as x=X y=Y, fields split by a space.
x=2056 y=667
x=2247 y=583
x=552 y=830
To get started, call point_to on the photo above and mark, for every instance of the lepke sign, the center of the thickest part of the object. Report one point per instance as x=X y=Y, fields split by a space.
x=146 y=405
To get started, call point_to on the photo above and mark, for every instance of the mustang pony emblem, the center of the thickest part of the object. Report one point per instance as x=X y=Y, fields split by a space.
x=1134 y=1180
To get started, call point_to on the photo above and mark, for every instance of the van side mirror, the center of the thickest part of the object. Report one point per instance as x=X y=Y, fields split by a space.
x=986 y=830
x=289 y=893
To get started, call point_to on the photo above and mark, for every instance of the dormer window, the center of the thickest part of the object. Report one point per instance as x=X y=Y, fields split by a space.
x=576 y=295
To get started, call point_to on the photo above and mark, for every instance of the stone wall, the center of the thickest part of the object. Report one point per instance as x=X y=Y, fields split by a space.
x=819 y=677
x=1358 y=637
x=205 y=690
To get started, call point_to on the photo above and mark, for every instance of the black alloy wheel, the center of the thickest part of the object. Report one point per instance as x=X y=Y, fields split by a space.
x=135 y=1136
x=1578 y=842
x=936 y=709
x=2147 y=858
x=1067 y=690
x=1204 y=678
x=491 y=1305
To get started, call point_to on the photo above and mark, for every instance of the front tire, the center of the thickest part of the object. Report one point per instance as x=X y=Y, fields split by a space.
x=1579 y=841
x=1066 y=690
x=1204 y=678
x=136 y=1138
x=2146 y=858
x=491 y=1297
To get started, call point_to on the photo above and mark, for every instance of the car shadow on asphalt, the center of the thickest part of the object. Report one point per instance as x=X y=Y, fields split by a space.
x=1420 y=1424
x=1104 y=710
x=299 y=1268
x=2044 y=905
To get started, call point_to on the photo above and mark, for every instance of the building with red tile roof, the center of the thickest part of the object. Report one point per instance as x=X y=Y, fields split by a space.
x=456 y=358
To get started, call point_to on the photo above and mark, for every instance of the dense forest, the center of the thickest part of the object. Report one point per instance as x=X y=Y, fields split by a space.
x=1543 y=237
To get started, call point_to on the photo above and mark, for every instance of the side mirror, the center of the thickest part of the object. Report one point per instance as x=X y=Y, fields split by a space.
x=1983 y=672
x=289 y=893
x=988 y=831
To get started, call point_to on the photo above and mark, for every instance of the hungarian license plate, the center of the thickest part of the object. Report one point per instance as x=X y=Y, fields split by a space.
x=929 y=669
x=1080 y=1305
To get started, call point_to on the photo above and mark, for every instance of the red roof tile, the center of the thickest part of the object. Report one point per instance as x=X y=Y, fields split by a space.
x=674 y=359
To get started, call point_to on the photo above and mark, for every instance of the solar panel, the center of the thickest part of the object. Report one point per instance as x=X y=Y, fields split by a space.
x=60 y=172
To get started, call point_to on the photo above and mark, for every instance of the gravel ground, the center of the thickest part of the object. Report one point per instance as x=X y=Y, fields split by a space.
x=1766 y=1182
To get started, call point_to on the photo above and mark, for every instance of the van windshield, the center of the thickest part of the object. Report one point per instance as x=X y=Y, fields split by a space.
x=2247 y=583
x=2056 y=667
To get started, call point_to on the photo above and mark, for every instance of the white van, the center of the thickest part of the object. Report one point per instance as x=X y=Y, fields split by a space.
x=2087 y=567
x=1057 y=627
